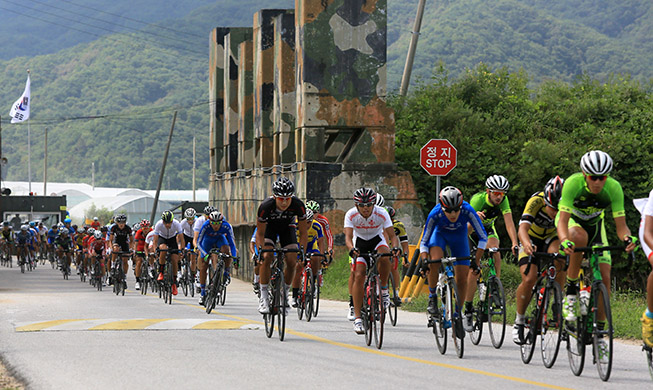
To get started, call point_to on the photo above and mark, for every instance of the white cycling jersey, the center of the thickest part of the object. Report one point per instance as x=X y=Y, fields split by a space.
x=199 y=221
x=161 y=230
x=370 y=227
x=187 y=228
x=648 y=210
x=150 y=237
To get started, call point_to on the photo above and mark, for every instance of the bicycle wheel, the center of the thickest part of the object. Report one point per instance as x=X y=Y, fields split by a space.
x=123 y=279
x=380 y=316
x=310 y=291
x=269 y=318
x=367 y=314
x=454 y=302
x=22 y=264
x=439 y=323
x=301 y=298
x=184 y=280
x=394 y=298
x=219 y=282
x=223 y=295
x=211 y=294
x=551 y=324
x=496 y=314
x=316 y=304
x=575 y=332
x=649 y=359
x=530 y=326
x=283 y=301
x=602 y=336
x=478 y=313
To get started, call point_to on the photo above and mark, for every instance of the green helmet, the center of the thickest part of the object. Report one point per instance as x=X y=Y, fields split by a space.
x=313 y=206
x=167 y=216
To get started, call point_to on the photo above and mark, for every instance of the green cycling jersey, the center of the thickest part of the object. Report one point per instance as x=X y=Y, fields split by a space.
x=587 y=207
x=481 y=202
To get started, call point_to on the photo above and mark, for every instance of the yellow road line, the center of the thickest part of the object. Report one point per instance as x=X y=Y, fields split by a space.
x=222 y=324
x=44 y=325
x=395 y=356
x=129 y=324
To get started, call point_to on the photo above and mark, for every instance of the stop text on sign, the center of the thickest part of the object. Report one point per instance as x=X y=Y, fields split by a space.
x=438 y=157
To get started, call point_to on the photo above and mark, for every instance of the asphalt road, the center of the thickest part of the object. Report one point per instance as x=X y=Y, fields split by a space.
x=64 y=334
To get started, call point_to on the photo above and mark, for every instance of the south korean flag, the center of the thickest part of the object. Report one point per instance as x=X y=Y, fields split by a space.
x=20 y=110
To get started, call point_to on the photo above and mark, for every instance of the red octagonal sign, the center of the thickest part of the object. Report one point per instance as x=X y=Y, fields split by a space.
x=438 y=157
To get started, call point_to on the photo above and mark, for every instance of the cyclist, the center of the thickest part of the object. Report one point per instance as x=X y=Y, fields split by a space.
x=139 y=254
x=366 y=226
x=23 y=239
x=276 y=220
x=62 y=243
x=646 y=237
x=580 y=222
x=121 y=240
x=257 y=264
x=78 y=240
x=215 y=233
x=96 y=223
x=400 y=232
x=537 y=233
x=34 y=245
x=7 y=237
x=315 y=244
x=187 y=227
x=52 y=234
x=446 y=226
x=97 y=247
x=43 y=231
x=169 y=235
x=324 y=221
x=199 y=222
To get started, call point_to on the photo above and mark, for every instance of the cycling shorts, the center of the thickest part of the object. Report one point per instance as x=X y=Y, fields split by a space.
x=124 y=247
x=170 y=242
x=365 y=246
x=286 y=234
x=542 y=245
x=595 y=234
x=456 y=241
x=189 y=240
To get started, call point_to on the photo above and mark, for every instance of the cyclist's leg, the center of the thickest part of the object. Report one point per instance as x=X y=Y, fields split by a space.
x=384 y=265
x=360 y=267
x=523 y=293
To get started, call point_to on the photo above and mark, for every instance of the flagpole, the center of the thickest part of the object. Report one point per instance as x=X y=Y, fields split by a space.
x=29 y=152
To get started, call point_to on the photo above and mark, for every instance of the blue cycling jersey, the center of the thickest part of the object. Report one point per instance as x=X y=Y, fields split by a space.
x=208 y=237
x=438 y=223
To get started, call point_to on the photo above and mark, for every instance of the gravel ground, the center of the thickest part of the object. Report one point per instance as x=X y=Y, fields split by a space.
x=7 y=381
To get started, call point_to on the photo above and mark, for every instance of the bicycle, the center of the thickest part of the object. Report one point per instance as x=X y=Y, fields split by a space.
x=217 y=289
x=543 y=315
x=278 y=296
x=649 y=358
x=373 y=310
x=585 y=330
x=5 y=254
x=395 y=300
x=187 y=281
x=307 y=289
x=51 y=255
x=318 y=285
x=96 y=274
x=450 y=303
x=80 y=265
x=118 y=273
x=145 y=274
x=23 y=258
x=489 y=301
x=165 y=285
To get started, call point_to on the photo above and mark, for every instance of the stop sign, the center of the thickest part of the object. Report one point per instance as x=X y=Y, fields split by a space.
x=438 y=157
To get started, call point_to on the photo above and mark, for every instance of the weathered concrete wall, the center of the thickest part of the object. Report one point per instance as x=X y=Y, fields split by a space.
x=245 y=106
x=284 y=109
x=216 y=99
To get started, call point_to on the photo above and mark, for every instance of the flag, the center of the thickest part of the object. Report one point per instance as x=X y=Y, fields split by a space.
x=20 y=110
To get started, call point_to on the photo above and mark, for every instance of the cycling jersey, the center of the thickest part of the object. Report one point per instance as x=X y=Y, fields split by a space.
x=268 y=212
x=368 y=228
x=314 y=233
x=52 y=234
x=210 y=238
x=400 y=230
x=199 y=221
x=6 y=234
x=648 y=210
x=63 y=242
x=587 y=208
x=23 y=238
x=439 y=231
x=168 y=232
x=187 y=228
x=120 y=236
x=326 y=229
x=97 y=246
x=140 y=240
x=541 y=225
x=149 y=238
x=481 y=202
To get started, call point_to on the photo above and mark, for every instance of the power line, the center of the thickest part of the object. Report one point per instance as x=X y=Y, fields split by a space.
x=90 y=25
x=131 y=19
x=115 y=24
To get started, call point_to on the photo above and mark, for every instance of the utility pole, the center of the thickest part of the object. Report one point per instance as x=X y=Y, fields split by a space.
x=193 y=169
x=45 y=165
x=93 y=175
x=163 y=168
x=408 y=69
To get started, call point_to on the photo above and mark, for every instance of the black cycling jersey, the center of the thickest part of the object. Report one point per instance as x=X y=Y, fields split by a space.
x=268 y=212
x=121 y=236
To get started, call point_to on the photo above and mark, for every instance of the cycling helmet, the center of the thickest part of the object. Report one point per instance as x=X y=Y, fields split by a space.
x=313 y=205
x=167 y=216
x=497 y=183
x=95 y=219
x=208 y=209
x=391 y=211
x=81 y=230
x=32 y=223
x=364 y=195
x=451 y=198
x=121 y=218
x=136 y=227
x=216 y=216
x=553 y=191
x=309 y=214
x=91 y=231
x=5 y=223
x=63 y=231
x=380 y=200
x=189 y=213
x=145 y=223
x=97 y=234
x=283 y=187
x=596 y=162
x=60 y=224
x=67 y=220
x=23 y=227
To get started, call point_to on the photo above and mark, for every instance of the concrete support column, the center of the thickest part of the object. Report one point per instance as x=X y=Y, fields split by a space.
x=245 y=106
x=284 y=109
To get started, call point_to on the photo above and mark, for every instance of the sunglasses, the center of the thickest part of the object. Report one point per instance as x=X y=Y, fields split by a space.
x=216 y=222
x=597 y=177
x=497 y=193
x=283 y=198
x=449 y=211
x=365 y=204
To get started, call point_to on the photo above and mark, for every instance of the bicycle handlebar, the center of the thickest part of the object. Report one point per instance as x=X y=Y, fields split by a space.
x=599 y=248
x=554 y=256
x=447 y=260
x=498 y=250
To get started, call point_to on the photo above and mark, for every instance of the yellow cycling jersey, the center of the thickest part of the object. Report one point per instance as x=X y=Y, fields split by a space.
x=541 y=225
x=314 y=233
x=400 y=231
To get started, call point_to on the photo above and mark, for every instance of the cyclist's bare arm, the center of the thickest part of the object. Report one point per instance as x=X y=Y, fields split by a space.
x=623 y=232
x=563 y=230
x=524 y=238
x=648 y=231
x=510 y=228
x=303 y=233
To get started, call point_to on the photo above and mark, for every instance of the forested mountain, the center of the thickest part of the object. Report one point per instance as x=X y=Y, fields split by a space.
x=132 y=82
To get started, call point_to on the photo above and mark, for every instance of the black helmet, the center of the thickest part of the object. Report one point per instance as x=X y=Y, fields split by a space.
x=208 y=209
x=365 y=195
x=497 y=183
x=283 y=187
x=451 y=198
x=121 y=218
x=553 y=191
x=167 y=216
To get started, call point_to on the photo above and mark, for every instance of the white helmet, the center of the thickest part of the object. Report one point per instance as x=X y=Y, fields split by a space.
x=380 y=200
x=497 y=183
x=596 y=163
x=189 y=213
x=97 y=234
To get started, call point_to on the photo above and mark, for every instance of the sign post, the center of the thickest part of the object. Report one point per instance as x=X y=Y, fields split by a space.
x=438 y=157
